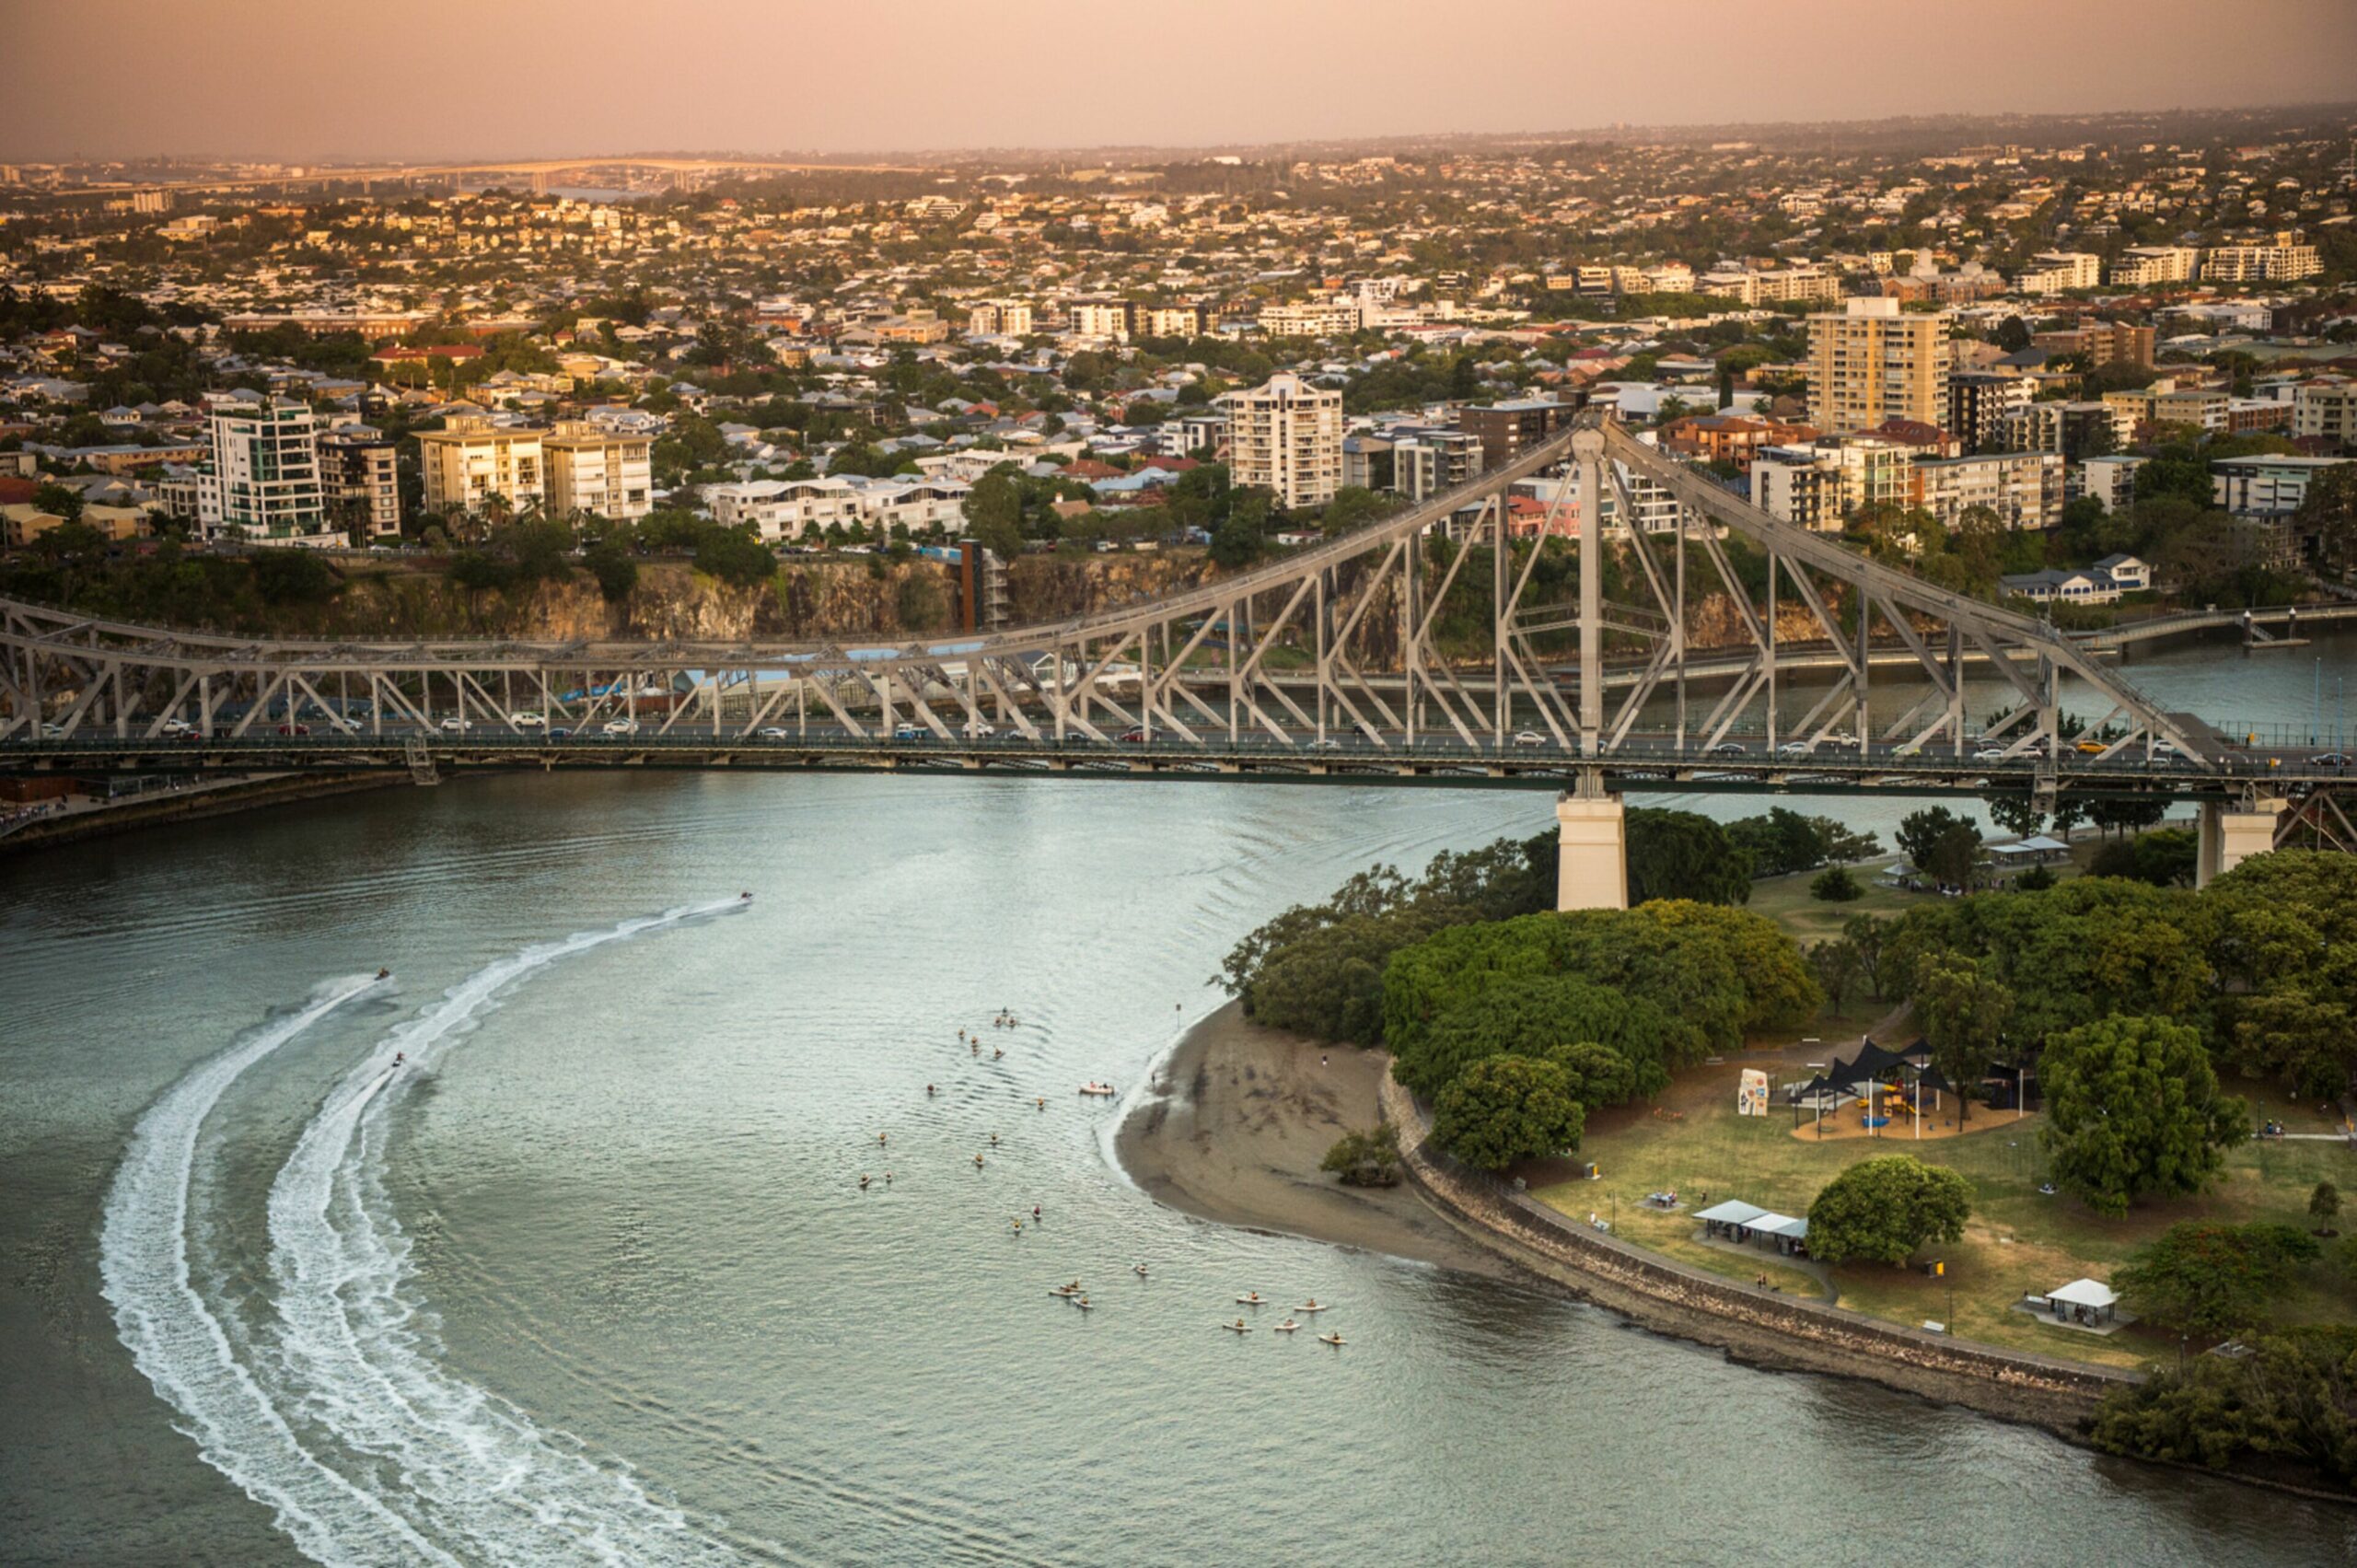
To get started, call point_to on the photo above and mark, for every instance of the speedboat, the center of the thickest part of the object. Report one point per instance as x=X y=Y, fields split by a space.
x=1093 y=1088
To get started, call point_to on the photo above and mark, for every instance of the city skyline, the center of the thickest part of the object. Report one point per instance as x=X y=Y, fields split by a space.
x=282 y=84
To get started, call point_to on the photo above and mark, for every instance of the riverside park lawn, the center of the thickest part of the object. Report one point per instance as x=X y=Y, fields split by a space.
x=2016 y=1241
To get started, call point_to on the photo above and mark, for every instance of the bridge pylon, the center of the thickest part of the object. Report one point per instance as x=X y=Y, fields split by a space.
x=1592 y=847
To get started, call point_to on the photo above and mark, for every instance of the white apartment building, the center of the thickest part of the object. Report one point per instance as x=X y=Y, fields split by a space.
x=2052 y=271
x=597 y=471
x=2284 y=262
x=264 y=483
x=2141 y=266
x=788 y=509
x=1779 y=285
x=1314 y=318
x=1820 y=485
x=1101 y=319
x=1286 y=436
x=2266 y=487
x=2024 y=489
x=2111 y=479
x=2326 y=411
x=469 y=461
x=999 y=319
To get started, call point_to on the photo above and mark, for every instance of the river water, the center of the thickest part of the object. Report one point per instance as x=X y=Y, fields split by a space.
x=588 y=1276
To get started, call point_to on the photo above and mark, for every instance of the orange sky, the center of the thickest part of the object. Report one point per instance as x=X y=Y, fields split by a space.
x=442 y=79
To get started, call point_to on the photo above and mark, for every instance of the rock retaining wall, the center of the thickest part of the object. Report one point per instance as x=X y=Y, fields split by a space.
x=1754 y=1325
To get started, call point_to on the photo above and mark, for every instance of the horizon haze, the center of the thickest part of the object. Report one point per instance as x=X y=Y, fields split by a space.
x=278 y=84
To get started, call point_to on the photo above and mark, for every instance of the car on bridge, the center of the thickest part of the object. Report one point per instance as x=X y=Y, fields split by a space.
x=1529 y=737
x=1134 y=736
x=178 y=730
x=1726 y=748
x=454 y=725
x=773 y=732
x=294 y=729
x=621 y=726
x=980 y=729
x=527 y=720
x=909 y=732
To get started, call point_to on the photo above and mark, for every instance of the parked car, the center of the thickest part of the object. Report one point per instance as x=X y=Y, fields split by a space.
x=621 y=726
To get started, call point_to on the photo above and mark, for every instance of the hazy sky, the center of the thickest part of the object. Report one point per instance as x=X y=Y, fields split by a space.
x=448 y=78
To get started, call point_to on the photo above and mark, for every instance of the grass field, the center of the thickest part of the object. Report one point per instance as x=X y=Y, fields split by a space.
x=2019 y=1240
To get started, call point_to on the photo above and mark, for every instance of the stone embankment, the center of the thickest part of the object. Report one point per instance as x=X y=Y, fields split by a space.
x=1754 y=1325
x=166 y=807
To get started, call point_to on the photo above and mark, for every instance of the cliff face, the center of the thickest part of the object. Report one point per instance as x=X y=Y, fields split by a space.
x=870 y=600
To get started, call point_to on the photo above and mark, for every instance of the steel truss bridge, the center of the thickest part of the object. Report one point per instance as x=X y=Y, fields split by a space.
x=1328 y=664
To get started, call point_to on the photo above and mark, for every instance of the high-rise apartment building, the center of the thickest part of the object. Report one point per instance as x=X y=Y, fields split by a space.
x=1872 y=362
x=2052 y=271
x=469 y=461
x=1979 y=401
x=362 y=485
x=265 y=479
x=1505 y=430
x=2141 y=266
x=599 y=472
x=999 y=319
x=1286 y=435
x=2283 y=261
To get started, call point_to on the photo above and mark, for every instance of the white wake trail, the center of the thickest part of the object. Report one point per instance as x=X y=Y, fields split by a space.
x=475 y=1473
x=177 y=1341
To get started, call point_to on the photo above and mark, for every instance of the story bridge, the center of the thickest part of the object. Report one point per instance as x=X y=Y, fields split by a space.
x=1347 y=661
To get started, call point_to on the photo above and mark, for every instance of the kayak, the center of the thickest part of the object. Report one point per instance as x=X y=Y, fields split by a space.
x=1236 y=1327
x=1093 y=1088
x=1252 y=1301
x=1305 y=1307
x=1329 y=1339
x=1284 y=1328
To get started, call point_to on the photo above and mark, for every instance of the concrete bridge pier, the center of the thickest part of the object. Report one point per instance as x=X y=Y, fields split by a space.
x=1592 y=853
x=2232 y=834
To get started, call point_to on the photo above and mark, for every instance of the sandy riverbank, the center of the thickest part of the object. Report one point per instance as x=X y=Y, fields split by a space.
x=1244 y=1116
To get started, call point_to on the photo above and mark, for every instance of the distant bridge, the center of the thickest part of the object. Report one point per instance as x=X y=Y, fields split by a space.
x=1325 y=664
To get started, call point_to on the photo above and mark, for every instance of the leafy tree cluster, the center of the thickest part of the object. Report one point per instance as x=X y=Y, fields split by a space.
x=2262 y=963
x=1365 y=1159
x=1317 y=969
x=1684 y=979
x=1782 y=842
x=1883 y=1208
x=2133 y=1110
x=2291 y=1401
x=2206 y=1277
x=1506 y=1109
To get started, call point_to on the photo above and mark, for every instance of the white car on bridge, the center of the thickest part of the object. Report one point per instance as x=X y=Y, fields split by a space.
x=621 y=726
x=528 y=720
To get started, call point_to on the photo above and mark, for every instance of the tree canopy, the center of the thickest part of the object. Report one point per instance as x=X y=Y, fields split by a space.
x=2133 y=1110
x=2210 y=1278
x=1883 y=1209
x=1507 y=1109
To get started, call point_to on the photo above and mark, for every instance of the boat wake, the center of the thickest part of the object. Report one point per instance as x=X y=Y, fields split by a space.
x=367 y=1449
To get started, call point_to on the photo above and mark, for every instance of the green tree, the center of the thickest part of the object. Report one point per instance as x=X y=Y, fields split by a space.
x=2133 y=1109
x=1933 y=836
x=1507 y=1109
x=1682 y=855
x=994 y=512
x=1883 y=1208
x=2016 y=814
x=58 y=501
x=1838 y=966
x=1963 y=1012
x=2324 y=1204
x=2207 y=1277
x=734 y=558
x=1871 y=936
x=1365 y=1159
x=616 y=571
x=1835 y=885
x=1545 y=1017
